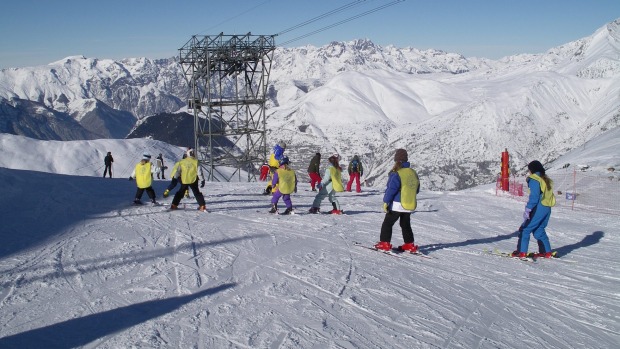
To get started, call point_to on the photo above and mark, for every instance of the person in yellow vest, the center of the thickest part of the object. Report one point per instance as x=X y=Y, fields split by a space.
x=274 y=164
x=187 y=173
x=285 y=182
x=537 y=212
x=399 y=202
x=143 y=173
x=329 y=186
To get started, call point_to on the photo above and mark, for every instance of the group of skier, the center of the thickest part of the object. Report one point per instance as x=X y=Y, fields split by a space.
x=399 y=199
x=184 y=171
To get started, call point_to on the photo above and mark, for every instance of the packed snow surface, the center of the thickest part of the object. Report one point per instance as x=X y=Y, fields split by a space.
x=80 y=266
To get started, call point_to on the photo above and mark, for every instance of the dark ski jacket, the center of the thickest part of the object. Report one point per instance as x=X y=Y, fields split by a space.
x=356 y=166
x=314 y=164
x=108 y=160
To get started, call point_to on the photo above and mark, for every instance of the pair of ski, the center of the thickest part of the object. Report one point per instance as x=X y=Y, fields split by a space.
x=530 y=256
x=394 y=252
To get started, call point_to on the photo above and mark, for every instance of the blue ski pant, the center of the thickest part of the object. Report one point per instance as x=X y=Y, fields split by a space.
x=539 y=217
x=322 y=194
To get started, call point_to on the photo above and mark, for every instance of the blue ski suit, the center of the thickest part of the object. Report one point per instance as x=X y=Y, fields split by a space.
x=536 y=224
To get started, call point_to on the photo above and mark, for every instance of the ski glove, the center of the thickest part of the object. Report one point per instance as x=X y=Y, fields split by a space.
x=526 y=214
x=385 y=207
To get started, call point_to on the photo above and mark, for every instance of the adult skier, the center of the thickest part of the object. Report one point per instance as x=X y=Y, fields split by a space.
x=107 y=161
x=314 y=171
x=356 y=170
x=188 y=174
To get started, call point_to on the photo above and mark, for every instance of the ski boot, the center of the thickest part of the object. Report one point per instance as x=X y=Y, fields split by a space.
x=202 y=208
x=383 y=246
x=289 y=210
x=408 y=247
x=335 y=210
x=274 y=208
x=314 y=210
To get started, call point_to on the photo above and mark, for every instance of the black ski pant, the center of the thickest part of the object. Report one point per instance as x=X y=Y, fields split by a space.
x=149 y=191
x=108 y=168
x=405 y=224
x=194 y=187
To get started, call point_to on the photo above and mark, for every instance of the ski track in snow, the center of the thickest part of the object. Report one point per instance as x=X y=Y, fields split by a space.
x=297 y=281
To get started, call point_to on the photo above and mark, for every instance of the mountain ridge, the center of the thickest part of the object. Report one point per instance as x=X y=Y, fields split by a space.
x=451 y=112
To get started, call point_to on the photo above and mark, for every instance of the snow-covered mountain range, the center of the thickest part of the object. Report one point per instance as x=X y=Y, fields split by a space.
x=454 y=114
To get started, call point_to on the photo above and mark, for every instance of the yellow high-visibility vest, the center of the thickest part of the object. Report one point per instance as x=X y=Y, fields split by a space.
x=548 y=199
x=409 y=183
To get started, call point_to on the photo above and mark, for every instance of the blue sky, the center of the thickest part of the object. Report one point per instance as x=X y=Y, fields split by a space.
x=37 y=32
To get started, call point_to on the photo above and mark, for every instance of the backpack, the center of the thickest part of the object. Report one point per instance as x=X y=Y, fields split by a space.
x=354 y=166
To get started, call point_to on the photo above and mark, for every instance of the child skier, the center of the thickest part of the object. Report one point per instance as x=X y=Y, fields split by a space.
x=284 y=183
x=144 y=179
x=537 y=212
x=329 y=186
x=399 y=201
x=274 y=162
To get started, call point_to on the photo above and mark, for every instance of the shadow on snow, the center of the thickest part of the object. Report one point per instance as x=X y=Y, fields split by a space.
x=81 y=331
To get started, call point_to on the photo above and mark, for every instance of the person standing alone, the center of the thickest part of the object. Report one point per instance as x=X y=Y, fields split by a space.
x=537 y=212
x=107 y=161
x=159 y=166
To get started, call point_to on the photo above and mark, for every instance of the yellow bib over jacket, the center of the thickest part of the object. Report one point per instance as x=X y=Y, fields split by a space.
x=548 y=199
x=144 y=178
x=286 y=180
x=409 y=188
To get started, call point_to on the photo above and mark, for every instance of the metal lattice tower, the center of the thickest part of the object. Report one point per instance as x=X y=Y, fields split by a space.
x=228 y=77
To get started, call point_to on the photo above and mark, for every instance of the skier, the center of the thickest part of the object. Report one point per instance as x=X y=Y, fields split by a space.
x=264 y=171
x=537 y=212
x=159 y=166
x=285 y=182
x=399 y=201
x=188 y=173
x=356 y=170
x=314 y=171
x=329 y=186
x=274 y=162
x=107 y=161
x=144 y=179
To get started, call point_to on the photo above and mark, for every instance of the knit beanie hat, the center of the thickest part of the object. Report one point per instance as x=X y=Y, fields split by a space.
x=536 y=166
x=401 y=155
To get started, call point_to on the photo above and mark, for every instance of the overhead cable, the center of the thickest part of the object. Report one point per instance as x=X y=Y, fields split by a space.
x=341 y=22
